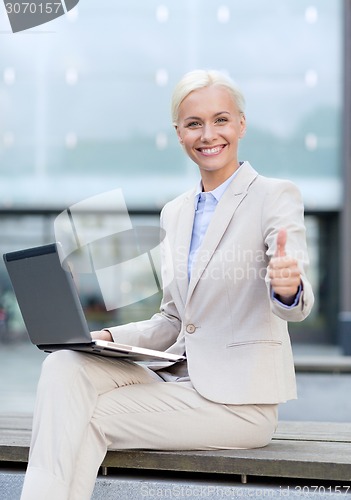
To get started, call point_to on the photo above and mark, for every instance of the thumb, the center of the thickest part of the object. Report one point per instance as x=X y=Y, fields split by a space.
x=281 y=242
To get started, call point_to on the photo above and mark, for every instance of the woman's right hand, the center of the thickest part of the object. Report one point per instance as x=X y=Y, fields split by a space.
x=101 y=335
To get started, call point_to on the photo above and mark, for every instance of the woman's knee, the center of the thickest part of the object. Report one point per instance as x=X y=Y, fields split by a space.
x=62 y=364
x=267 y=424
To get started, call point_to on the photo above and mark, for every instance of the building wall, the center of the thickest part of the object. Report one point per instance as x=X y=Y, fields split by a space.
x=85 y=108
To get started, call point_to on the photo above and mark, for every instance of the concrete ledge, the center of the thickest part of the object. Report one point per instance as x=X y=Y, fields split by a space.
x=323 y=364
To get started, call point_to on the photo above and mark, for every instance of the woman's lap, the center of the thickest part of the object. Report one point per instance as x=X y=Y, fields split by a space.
x=136 y=409
x=173 y=415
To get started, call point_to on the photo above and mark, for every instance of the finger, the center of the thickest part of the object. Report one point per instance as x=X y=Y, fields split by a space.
x=281 y=242
x=285 y=285
x=286 y=292
x=285 y=280
x=286 y=262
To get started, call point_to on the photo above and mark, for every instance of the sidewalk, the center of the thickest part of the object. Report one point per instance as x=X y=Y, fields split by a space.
x=144 y=488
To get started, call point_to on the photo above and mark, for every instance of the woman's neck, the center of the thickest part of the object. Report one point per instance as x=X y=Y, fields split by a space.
x=211 y=180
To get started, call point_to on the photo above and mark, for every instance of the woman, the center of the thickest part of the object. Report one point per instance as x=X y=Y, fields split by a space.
x=238 y=250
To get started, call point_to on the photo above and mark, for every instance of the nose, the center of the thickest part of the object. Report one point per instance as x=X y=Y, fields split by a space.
x=208 y=133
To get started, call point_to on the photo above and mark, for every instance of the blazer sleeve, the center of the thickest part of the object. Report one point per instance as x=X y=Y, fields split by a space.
x=283 y=208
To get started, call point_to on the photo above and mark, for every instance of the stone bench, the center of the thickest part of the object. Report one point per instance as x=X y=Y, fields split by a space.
x=299 y=450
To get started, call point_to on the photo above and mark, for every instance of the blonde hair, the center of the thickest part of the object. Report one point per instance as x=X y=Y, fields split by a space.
x=198 y=79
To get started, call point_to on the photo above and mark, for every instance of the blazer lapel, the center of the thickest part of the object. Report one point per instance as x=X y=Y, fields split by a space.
x=231 y=199
x=182 y=244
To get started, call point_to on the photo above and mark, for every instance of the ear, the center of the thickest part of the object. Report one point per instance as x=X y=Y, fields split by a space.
x=178 y=134
x=242 y=125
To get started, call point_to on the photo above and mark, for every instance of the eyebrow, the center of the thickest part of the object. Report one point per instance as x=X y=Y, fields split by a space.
x=198 y=118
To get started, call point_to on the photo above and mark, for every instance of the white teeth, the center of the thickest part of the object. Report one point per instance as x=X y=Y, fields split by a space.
x=211 y=151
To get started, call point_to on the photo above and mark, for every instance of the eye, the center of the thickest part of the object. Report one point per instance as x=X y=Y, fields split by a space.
x=221 y=119
x=193 y=124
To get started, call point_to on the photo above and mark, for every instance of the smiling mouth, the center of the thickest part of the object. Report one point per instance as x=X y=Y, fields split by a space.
x=211 y=151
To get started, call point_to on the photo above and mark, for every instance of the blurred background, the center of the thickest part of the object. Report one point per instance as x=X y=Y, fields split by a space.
x=85 y=108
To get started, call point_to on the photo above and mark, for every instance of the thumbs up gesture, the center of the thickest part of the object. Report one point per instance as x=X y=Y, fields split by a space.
x=284 y=272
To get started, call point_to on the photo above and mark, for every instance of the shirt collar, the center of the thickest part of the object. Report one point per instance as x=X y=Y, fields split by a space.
x=218 y=192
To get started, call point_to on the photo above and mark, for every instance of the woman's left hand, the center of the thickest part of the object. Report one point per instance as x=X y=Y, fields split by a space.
x=284 y=272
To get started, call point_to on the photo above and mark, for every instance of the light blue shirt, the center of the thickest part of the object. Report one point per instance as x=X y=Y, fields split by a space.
x=205 y=205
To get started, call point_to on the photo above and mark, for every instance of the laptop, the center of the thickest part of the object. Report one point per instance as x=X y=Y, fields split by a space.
x=52 y=311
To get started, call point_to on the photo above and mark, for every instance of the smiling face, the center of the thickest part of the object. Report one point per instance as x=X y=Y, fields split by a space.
x=209 y=128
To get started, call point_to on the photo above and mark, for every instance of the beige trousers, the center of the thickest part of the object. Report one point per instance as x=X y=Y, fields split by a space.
x=86 y=404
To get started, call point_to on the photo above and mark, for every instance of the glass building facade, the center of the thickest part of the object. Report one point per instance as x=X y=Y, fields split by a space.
x=85 y=108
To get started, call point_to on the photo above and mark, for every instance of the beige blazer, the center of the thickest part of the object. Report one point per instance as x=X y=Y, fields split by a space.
x=234 y=333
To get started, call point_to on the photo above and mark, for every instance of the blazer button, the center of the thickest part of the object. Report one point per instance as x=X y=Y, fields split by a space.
x=190 y=328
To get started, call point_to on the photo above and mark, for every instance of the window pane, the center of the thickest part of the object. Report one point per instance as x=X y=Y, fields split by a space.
x=85 y=102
